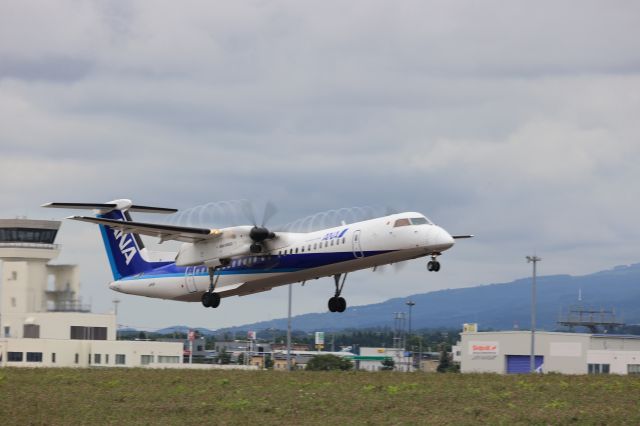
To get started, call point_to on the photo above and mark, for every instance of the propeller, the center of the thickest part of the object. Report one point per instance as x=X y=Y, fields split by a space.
x=259 y=234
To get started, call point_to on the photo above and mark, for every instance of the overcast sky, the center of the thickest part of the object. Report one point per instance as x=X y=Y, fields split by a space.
x=515 y=121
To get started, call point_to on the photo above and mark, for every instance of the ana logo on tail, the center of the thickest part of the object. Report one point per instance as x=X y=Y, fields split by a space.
x=126 y=246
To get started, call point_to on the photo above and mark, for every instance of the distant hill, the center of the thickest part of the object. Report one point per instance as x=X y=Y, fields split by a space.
x=496 y=306
x=184 y=329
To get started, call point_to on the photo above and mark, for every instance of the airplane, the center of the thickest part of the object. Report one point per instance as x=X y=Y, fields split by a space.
x=212 y=264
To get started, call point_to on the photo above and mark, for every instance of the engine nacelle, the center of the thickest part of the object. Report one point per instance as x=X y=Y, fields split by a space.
x=210 y=252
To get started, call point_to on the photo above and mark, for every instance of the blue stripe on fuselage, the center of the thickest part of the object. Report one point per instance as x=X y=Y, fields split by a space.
x=259 y=265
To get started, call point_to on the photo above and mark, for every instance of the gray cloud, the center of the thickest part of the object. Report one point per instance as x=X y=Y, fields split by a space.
x=516 y=122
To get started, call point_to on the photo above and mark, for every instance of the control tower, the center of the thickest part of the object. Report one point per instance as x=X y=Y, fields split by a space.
x=42 y=321
x=29 y=284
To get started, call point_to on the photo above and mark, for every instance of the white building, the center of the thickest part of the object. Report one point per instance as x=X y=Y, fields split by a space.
x=371 y=359
x=568 y=353
x=42 y=319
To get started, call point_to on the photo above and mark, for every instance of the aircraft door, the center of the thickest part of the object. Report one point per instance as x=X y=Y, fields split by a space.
x=190 y=279
x=357 y=246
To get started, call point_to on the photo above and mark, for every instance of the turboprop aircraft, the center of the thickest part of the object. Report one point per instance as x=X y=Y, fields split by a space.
x=240 y=260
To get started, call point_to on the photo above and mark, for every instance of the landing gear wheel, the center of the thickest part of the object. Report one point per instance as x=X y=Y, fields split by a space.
x=206 y=300
x=433 y=265
x=332 y=304
x=215 y=300
x=210 y=300
x=337 y=304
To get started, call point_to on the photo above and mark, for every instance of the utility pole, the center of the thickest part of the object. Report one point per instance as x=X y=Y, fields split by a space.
x=289 y=332
x=532 y=360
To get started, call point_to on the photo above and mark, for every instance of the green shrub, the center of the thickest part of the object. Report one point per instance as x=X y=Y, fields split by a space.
x=329 y=362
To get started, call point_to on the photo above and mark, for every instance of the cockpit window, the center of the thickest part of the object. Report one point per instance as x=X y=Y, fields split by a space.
x=419 y=221
x=401 y=222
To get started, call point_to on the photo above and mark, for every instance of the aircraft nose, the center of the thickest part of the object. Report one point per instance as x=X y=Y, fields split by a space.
x=442 y=239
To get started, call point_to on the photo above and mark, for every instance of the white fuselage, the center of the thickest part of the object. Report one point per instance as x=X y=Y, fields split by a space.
x=297 y=257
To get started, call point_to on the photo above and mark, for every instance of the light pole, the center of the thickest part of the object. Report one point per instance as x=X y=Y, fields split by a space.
x=410 y=303
x=532 y=360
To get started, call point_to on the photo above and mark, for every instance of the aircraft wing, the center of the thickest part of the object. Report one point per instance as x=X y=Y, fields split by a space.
x=164 y=232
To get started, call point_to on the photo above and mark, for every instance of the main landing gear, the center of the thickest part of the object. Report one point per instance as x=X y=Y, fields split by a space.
x=433 y=265
x=211 y=299
x=337 y=303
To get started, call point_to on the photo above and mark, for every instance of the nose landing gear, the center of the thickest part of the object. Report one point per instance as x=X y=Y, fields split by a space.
x=338 y=303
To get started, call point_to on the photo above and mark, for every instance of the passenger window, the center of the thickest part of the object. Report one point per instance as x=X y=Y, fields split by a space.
x=331 y=242
x=326 y=243
x=315 y=246
x=296 y=249
x=344 y=240
x=302 y=249
x=309 y=248
x=401 y=222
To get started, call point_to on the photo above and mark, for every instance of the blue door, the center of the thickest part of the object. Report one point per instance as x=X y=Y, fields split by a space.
x=517 y=364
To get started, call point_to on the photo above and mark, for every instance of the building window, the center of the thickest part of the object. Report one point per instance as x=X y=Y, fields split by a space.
x=77 y=358
x=53 y=357
x=34 y=356
x=163 y=359
x=146 y=359
x=7 y=331
x=14 y=275
x=88 y=333
x=97 y=359
x=633 y=369
x=120 y=359
x=598 y=368
x=13 y=302
x=89 y=359
x=14 y=356
x=106 y=359
x=31 y=331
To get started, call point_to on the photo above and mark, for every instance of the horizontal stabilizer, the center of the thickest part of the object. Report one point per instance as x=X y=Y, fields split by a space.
x=147 y=209
x=107 y=207
x=82 y=206
x=164 y=232
x=458 y=237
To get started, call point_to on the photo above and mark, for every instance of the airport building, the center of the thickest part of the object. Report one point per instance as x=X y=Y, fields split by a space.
x=43 y=321
x=555 y=352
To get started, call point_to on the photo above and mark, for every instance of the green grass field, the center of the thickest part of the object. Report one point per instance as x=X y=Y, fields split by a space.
x=138 y=396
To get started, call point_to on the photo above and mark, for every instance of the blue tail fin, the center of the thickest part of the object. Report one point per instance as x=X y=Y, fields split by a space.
x=124 y=250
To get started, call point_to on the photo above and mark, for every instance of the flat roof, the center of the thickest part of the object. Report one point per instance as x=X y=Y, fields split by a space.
x=30 y=224
x=565 y=333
